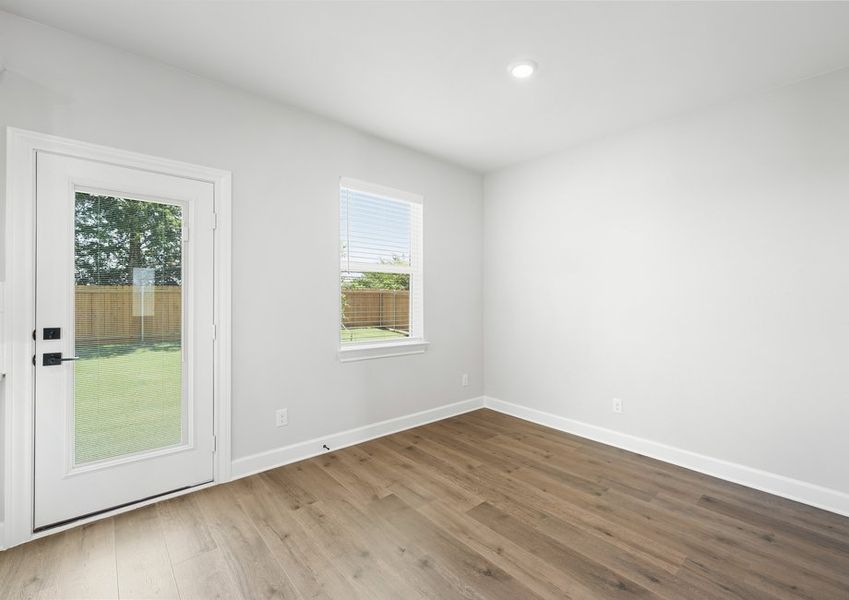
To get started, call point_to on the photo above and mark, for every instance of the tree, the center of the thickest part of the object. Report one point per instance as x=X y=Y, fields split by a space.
x=115 y=235
x=381 y=281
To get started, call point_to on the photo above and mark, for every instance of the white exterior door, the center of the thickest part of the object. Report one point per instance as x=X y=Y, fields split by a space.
x=123 y=339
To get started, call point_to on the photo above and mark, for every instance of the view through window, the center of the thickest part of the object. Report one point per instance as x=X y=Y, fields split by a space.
x=380 y=280
x=128 y=302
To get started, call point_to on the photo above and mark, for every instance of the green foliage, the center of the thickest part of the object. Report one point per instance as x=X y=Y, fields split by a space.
x=380 y=281
x=115 y=235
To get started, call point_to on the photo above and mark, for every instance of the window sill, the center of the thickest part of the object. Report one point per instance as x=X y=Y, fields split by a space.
x=367 y=351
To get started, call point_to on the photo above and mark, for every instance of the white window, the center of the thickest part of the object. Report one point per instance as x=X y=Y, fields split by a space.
x=380 y=279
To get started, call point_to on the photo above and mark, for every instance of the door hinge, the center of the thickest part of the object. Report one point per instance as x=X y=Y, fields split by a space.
x=214 y=443
x=214 y=220
x=186 y=233
x=214 y=331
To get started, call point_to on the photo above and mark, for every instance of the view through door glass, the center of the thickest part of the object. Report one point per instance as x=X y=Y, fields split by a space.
x=128 y=381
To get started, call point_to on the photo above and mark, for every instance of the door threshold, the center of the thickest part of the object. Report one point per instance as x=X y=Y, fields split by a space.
x=96 y=513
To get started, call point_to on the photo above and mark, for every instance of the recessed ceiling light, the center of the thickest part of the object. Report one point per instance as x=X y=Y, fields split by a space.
x=522 y=69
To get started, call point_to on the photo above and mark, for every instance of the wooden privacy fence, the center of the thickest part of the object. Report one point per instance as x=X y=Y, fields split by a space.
x=376 y=308
x=123 y=314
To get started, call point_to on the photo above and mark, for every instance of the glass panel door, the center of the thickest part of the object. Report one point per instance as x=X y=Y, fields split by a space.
x=128 y=305
x=125 y=347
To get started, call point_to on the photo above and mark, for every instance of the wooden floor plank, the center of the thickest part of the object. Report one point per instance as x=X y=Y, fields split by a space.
x=84 y=564
x=29 y=570
x=310 y=570
x=544 y=579
x=343 y=543
x=141 y=556
x=185 y=530
x=450 y=555
x=205 y=576
x=249 y=562
x=476 y=507
x=600 y=580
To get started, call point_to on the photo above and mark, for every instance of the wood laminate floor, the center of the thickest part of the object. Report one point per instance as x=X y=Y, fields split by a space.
x=480 y=506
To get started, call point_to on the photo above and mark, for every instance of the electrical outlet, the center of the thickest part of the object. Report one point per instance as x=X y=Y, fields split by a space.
x=617 y=405
x=281 y=417
x=465 y=379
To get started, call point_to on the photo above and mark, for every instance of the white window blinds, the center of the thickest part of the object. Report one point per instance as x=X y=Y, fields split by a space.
x=380 y=233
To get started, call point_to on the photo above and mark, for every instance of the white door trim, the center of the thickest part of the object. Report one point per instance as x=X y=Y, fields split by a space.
x=19 y=302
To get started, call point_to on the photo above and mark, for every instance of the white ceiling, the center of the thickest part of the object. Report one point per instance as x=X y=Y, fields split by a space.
x=432 y=75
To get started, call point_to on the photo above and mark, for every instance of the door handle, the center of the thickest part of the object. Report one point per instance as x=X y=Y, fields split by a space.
x=52 y=359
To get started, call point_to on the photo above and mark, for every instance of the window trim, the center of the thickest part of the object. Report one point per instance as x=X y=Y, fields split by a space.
x=382 y=191
x=416 y=343
x=368 y=350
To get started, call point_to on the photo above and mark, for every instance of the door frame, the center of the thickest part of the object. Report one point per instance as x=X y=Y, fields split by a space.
x=19 y=317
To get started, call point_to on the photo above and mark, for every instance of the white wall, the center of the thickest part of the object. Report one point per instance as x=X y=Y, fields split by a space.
x=696 y=269
x=286 y=166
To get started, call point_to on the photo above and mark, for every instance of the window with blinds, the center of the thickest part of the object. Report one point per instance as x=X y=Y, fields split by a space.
x=380 y=245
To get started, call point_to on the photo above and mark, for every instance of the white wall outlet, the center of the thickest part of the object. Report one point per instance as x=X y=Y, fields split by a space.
x=617 y=405
x=465 y=379
x=281 y=417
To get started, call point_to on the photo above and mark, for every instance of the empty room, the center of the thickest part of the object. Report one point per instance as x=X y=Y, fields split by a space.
x=424 y=300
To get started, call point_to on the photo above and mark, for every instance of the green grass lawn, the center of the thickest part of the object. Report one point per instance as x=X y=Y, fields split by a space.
x=127 y=399
x=364 y=334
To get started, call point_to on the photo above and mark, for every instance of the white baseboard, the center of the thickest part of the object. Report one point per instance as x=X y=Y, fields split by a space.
x=779 y=485
x=278 y=457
